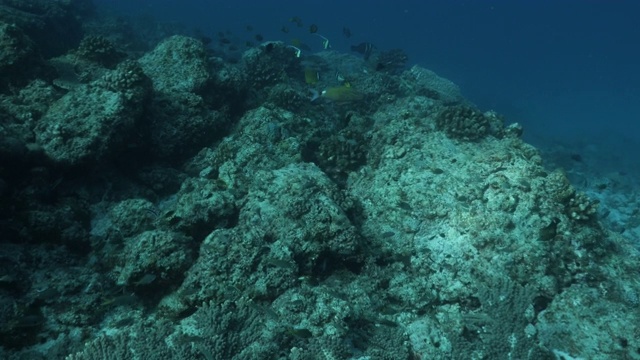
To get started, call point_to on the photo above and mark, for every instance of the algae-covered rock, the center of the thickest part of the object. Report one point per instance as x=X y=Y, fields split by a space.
x=295 y=216
x=201 y=206
x=54 y=25
x=264 y=142
x=19 y=57
x=162 y=255
x=20 y=114
x=301 y=197
x=93 y=122
x=269 y=64
x=476 y=220
x=100 y=50
x=181 y=124
x=131 y=217
x=16 y=47
x=183 y=117
x=179 y=63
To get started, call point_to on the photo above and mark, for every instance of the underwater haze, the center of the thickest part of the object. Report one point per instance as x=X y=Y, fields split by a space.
x=319 y=180
x=567 y=70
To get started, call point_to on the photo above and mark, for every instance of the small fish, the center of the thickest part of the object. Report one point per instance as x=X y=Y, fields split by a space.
x=185 y=339
x=285 y=264
x=47 y=294
x=386 y=322
x=268 y=311
x=336 y=294
x=405 y=206
x=298 y=51
x=28 y=321
x=258 y=37
x=269 y=47
x=313 y=28
x=325 y=41
x=348 y=117
x=365 y=48
x=296 y=20
x=145 y=280
x=387 y=234
x=297 y=302
x=301 y=333
x=7 y=279
x=189 y=291
x=206 y=40
x=346 y=32
x=152 y=211
x=284 y=29
x=299 y=44
x=311 y=76
x=315 y=95
x=126 y=299
x=124 y=322
x=342 y=94
x=388 y=310
x=225 y=41
x=308 y=280
x=249 y=28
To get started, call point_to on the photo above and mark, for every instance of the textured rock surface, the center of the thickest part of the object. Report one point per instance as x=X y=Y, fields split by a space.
x=210 y=209
x=179 y=63
x=94 y=121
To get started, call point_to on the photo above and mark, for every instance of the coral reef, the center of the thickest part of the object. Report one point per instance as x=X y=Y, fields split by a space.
x=178 y=63
x=181 y=204
x=93 y=121
x=100 y=50
x=581 y=208
x=462 y=122
x=20 y=59
x=54 y=25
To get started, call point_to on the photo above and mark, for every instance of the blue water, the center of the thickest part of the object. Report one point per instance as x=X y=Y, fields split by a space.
x=566 y=70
